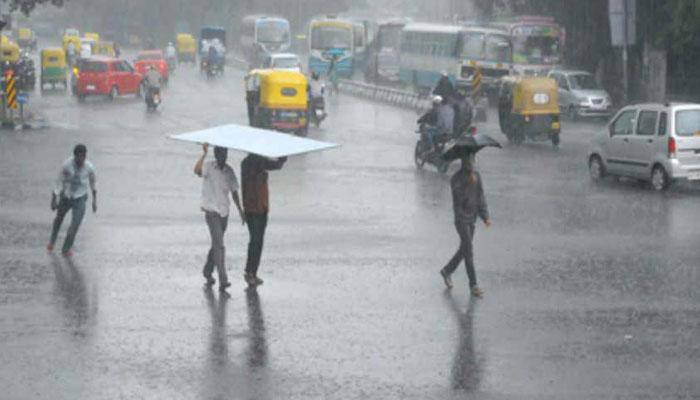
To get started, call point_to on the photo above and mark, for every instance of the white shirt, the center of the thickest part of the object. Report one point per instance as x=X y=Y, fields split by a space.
x=73 y=182
x=216 y=186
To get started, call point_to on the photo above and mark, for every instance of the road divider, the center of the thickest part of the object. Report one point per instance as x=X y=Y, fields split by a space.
x=387 y=95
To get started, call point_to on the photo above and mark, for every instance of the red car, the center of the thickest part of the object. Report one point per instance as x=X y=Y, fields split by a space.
x=154 y=58
x=107 y=76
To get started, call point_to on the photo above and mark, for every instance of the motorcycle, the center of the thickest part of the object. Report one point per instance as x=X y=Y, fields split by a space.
x=317 y=111
x=26 y=75
x=152 y=98
x=212 y=69
x=431 y=146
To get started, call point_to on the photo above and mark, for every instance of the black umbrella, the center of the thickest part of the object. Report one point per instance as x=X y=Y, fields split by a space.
x=469 y=144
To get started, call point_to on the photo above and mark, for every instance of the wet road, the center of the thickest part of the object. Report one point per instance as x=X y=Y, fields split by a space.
x=591 y=291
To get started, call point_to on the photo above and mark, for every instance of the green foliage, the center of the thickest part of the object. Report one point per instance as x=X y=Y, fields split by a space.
x=27 y=6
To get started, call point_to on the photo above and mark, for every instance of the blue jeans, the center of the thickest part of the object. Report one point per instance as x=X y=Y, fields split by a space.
x=77 y=208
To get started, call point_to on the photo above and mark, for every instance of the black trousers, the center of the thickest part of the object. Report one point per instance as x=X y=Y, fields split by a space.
x=256 y=228
x=464 y=252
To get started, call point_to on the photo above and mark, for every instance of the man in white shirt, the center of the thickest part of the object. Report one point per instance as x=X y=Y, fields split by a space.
x=70 y=194
x=218 y=180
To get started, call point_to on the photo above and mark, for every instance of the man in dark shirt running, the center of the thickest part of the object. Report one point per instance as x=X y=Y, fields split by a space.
x=469 y=203
x=256 y=204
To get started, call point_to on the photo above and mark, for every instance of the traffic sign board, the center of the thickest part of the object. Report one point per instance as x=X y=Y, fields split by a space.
x=23 y=98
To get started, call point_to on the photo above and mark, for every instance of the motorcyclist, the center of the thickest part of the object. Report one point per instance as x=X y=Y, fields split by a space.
x=70 y=52
x=152 y=82
x=315 y=95
x=444 y=88
x=171 y=55
x=438 y=121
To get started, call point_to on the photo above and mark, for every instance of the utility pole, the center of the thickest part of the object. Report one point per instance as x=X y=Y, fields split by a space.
x=625 y=56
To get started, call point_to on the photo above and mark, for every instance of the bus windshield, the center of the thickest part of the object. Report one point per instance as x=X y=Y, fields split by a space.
x=536 y=49
x=272 y=32
x=331 y=37
x=390 y=37
x=473 y=45
x=498 y=49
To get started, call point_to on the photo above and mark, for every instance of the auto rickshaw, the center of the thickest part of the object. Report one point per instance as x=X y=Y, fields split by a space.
x=186 y=47
x=26 y=39
x=92 y=35
x=277 y=100
x=528 y=108
x=53 y=67
x=10 y=51
x=103 y=48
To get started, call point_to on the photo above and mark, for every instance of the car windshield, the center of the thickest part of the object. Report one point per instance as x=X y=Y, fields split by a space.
x=149 y=57
x=286 y=62
x=583 y=82
x=331 y=37
x=536 y=49
x=94 y=67
x=498 y=49
x=72 y=32
x=272 y=32
x=688 y=123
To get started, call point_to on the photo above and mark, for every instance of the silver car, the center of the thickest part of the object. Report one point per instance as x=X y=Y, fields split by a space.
x=580 y=95
x=659 y=143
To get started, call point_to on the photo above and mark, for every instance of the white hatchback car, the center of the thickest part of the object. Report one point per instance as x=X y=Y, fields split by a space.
x=659 y=143
x=283 y=61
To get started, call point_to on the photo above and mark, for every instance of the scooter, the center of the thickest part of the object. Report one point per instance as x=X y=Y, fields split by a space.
x=152 y=98
x=429 y=148
x=317 y=112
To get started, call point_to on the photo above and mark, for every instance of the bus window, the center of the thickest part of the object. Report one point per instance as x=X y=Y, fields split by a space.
x=498 y=49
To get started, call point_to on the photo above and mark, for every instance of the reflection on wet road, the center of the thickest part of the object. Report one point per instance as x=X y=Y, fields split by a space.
x=591 y=291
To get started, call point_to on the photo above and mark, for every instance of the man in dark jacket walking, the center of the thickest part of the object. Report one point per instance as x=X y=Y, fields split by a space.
x=256 y=204
x=469 y=203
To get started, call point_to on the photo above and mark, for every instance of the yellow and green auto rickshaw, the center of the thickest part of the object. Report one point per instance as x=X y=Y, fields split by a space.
x=277 y=99
x=528 y=108
x=186 y=46
x=103 y=48
x=53 y=67
x=26 y=39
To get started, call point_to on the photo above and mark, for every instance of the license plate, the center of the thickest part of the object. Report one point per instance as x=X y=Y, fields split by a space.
x=694 y=176
x=556 y=125
x=90 y=87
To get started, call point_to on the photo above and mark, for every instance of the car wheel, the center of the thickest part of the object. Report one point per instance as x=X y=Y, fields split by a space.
x=571 y=112
x=659 y=179
x=596 y=169
x=555 y=141
x=113 y=93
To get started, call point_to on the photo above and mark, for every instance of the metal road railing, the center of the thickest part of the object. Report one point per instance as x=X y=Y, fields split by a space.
x=391 y=96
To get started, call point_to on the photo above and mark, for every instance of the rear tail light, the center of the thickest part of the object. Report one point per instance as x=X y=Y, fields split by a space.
x=472 y=130
x=671 y=147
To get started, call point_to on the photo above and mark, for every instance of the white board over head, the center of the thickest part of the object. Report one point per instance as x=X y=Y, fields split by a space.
x=247 y=139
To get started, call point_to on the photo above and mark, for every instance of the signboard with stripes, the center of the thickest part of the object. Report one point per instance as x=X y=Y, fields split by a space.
x=11 y=92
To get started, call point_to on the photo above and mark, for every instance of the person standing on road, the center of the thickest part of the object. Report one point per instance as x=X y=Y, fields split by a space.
x=70 y=194
x=257 y=205
x=469 y=203
x=218 y=180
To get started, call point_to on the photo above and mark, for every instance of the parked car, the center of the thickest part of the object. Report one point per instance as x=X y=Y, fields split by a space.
x=283 y=61
x=580 y=95
x=107 y=76
x=155 y=58
x=659 y=143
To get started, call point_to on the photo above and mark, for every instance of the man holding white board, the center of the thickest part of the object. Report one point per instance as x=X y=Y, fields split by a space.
x=218 y=180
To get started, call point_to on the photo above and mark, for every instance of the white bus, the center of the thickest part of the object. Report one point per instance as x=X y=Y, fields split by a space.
x=262 y=35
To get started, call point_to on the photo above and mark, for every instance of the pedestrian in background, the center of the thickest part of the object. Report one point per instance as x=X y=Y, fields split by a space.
x=70 y=194
x=218 y=179
x=256 y=203
x=469 y=203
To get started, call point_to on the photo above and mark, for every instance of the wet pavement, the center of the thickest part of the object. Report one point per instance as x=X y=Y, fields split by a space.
x=591 y=291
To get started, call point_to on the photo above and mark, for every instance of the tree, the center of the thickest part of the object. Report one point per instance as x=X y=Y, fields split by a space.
x=27 y=6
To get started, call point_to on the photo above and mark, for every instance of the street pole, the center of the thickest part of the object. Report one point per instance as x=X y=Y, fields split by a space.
x=625 y=78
